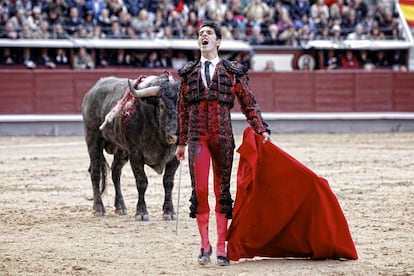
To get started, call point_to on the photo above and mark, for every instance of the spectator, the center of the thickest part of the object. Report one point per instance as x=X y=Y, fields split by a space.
x=318 y=8
x=229 y=21
x=365 y=60
x=368 y=22
x=357 y=34
x=74 y=22
x=89 y=23
x=299 y=8
x=269 y=66
x=323 y=34
x=276 y=10
x=124 y=19
x=349 y=21
x=150 y=6
x=95 y=8
x=43 y=31
x=361 y=9
x=381 y=60
x=257 y=37
x=176 y=21
x=9 y=31
x=152 y=60
x=376 y=34
x=141 y=22
x=83 y=60
x=62 y=7
x=159 y=22
x=387 y=24
x=97 y=33
x=286 y=29
x=336 y=34
x=219 y=7
x=116 y=31
x=36 y=19
x=272 y=37
x=331 y=60
x=120 y=57
x=179 y=60
x=82 y=33
x=202 y=9
x=321 y=23
x=59 y=32
x=132 y=6
x=398 y=62
x=26 y=31
x=46 y=60
x=18 y=20
x=238 y=34
x=148 y=34
x=104 y=21
x=130 y=32
x=167 y=33
x=256 y=11
x=115 y=8
x=8 y=57
x=306 y=30
x=53 y=17
x=338 y=9
x=349 y=60
x=27 y=58
x=61 y=57
x=191 y=33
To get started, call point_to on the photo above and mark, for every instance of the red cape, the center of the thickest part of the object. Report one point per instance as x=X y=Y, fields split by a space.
x=283 y=209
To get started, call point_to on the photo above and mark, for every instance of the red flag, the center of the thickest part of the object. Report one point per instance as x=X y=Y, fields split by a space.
x=407 y=8
x=283 y=209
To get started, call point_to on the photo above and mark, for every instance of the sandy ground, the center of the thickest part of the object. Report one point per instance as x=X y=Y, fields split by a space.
x=47 y=226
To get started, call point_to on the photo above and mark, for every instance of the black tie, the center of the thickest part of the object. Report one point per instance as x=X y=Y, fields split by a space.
x=207 y=71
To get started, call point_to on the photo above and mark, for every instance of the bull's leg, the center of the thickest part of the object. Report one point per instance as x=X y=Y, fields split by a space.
x=168 y=182
x=96 y=168
x=120 y=158
x=141 y=180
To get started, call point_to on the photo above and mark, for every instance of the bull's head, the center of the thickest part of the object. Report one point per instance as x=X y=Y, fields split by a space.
x=165 y=88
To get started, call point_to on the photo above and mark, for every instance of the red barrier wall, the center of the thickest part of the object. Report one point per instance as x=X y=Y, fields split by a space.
x=61 y=91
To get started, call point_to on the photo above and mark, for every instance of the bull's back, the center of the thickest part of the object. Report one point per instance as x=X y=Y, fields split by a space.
x=101 y=98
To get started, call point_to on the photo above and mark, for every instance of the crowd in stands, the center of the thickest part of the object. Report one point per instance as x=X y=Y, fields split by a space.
x=259 y=22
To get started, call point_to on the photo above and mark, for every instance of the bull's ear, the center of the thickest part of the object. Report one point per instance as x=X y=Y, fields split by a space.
x=151 y=91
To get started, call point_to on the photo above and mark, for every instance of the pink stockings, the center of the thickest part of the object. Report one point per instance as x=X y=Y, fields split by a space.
x=221 y=223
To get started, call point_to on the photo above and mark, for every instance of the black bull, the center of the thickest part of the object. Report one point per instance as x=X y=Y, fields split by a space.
x=141 y=129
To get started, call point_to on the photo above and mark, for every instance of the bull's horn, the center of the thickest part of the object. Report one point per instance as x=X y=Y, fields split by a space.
x=144 y=92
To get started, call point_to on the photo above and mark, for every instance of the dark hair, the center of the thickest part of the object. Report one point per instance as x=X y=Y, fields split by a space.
x=214 y=25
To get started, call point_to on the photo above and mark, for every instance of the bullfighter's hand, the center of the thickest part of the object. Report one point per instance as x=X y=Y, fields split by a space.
x=266 y=136
x=180 y=152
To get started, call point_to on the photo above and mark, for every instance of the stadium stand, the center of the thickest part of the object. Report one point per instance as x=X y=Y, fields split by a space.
x=284 y=26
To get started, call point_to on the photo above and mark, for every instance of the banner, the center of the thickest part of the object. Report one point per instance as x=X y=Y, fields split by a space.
x=407 y=7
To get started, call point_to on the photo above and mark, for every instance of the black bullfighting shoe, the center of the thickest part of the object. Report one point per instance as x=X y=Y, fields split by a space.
x=223 y=261
x=204 y=257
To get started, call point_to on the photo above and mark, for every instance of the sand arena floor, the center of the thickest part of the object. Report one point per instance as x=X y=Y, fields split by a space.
x=47 y=226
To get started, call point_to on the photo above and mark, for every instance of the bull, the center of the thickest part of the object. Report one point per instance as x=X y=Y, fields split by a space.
x=136 y=124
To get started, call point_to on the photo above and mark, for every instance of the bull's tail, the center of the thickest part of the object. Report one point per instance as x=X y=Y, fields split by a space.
x=104 y=173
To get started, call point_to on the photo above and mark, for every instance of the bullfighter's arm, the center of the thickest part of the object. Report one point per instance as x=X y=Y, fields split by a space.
x=249 y=106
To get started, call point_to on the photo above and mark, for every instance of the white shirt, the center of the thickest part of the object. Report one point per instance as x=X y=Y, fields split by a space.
x=212 y=68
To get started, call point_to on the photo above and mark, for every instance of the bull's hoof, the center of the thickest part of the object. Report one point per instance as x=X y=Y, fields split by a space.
x=121 y=212
x=142 y=217
x=169 y=216
x=99 y=213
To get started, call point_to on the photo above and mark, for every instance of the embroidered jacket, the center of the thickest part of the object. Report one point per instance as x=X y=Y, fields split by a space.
x=207 y=109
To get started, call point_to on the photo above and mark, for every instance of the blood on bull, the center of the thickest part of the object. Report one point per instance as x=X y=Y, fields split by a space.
x=136 y=123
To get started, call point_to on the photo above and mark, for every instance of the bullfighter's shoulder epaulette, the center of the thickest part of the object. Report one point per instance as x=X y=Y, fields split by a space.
x=187 y=68
x=235 y=67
